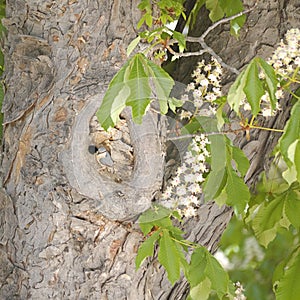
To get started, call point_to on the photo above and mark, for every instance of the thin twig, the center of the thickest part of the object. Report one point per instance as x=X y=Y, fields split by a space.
x=213 y=26
x=206 y=48
x=189 y=136
x=185 y=54
x=235 y=131
x=219 y=59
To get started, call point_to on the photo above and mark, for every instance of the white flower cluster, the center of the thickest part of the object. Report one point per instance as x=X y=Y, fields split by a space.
x=205 y=88
x=184 y=189
x=286 y=58
x=239 y=292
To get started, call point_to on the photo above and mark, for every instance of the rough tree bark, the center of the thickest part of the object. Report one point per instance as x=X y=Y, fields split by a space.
x=62 y=231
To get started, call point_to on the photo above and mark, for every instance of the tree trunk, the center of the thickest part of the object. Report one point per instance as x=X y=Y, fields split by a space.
x=63 y=231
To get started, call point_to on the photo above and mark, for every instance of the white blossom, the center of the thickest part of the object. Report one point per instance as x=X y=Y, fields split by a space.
x=189 y=212
x=285 y=58
x=194 y=200
x=267 y=112
x=184 y=114
x=189 y=177
x=199 y=177
x=185 y=189
x=194 y=188
x=175 y=181
x=181 y=191
x=204 y=82
x=247 y=106
x=239 y=292
x=279 y=94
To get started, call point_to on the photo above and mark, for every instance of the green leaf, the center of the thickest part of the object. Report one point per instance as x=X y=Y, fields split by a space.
x=192 y=127
x=236 y=92
x=292 y=208
x=233 y=7
x=217 y=275
x=146 y=227
x=144 y=5
x=166 y=223
x=222 y=197
x=253 y=87
x=216 y=11
x=174 y=103
x=114 y=99
x=198 y=263
x=140 y=91
x=181 y=40
x=131 y=87
x=201 y=291
x=297 y=160
x=119 y=103
x=250 y=85
x=175 y=231
x=291 y=133
x=140 y=22
x=204 y=266
x=146 y=248
x=169 y=256
x=267 y=219
x=163 y=84
x=290 y=175
x=279 y=271
x=236 y=25
x=271 y=80
x=237 y=191
x=155 y=216
x=241 y=160
x=214 y=184
x=149 y=20
x=288 y=286
x=157 y=212
x=219 y=116
x=132 y=45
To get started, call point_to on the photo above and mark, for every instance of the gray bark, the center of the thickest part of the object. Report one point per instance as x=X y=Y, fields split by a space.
x=62 y=235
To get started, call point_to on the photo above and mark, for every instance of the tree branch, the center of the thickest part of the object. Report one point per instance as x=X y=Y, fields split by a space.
x=206 y=48
x=222 y=21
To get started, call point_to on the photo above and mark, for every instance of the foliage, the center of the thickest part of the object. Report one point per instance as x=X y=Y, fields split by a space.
x=250 y=263
x=203 y=271
x=219 y=9
x=274 y=208
x=224 y=184
x=272 y=213
x=137 y=83
x=249 y=85
x=157 y=16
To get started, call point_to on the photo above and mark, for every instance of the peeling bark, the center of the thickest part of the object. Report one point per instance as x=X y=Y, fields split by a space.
x=62 y=235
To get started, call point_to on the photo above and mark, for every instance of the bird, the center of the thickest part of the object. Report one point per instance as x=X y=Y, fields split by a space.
x=104 y=157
